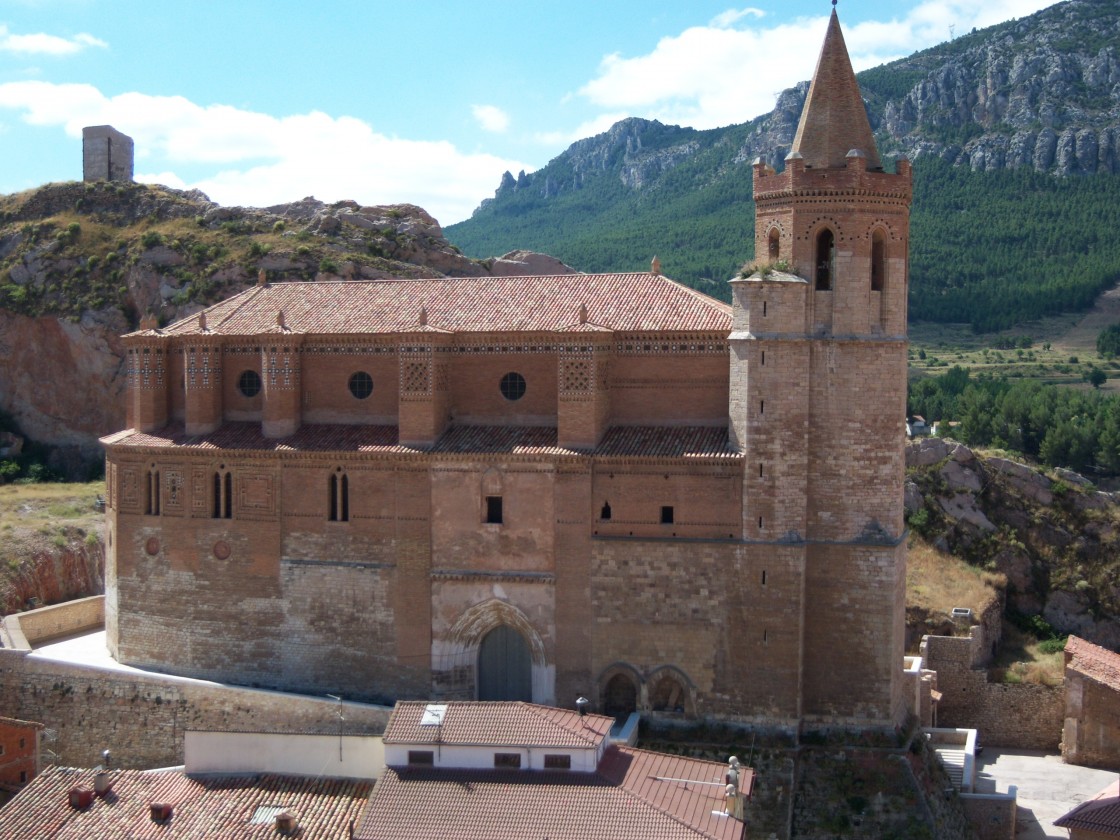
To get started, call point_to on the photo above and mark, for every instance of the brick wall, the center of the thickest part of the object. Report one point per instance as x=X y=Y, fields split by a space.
x=142 y=717
x=19 y=751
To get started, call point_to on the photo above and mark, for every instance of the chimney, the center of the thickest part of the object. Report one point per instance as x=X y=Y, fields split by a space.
x=287 y=824
x=81 y=798
x=161 y=811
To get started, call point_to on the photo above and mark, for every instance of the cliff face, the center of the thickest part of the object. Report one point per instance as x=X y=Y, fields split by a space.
x=1042 y=92
x=81 y=263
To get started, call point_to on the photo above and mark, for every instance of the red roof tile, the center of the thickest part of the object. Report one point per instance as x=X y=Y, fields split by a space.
x=496 y=724
x=1100 y=814
x=1093 y=661
x=619 y=441
x=204 y=807
x=618 y=302
x=636 y=795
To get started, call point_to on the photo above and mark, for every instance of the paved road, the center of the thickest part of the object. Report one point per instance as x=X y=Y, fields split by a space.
x=1046 y=786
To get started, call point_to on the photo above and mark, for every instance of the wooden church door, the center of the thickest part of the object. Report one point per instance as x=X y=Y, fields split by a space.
x=504 y=666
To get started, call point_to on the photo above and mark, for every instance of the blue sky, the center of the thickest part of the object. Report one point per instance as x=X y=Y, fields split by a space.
x=257 y=102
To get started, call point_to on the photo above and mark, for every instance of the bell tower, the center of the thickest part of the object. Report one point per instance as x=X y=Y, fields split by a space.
x=818 y=393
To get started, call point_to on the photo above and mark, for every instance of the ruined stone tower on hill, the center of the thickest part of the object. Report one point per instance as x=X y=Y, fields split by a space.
x=536 y=488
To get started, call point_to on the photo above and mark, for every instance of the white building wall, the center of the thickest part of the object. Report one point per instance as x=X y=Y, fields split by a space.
x=345 y=757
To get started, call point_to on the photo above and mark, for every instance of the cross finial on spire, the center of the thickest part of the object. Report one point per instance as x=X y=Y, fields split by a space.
x=834 y=4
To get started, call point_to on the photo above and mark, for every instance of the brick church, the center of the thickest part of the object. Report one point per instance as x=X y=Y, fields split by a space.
x=544 y=487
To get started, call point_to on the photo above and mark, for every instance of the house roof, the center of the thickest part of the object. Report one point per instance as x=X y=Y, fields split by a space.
x=1093 y=661
x=579 y=302
x=204 y=806
x=834 y=119
x=618 y=441
x=1100 y=814
x=634 y=795
x=495 y=724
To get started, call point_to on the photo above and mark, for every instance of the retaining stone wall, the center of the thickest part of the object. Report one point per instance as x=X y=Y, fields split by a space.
x=142 y=717
x=1020 y=716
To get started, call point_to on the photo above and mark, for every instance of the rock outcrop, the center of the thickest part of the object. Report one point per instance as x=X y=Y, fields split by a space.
x=1052 y=535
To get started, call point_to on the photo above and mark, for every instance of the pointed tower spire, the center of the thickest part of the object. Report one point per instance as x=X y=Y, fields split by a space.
x=834 y=120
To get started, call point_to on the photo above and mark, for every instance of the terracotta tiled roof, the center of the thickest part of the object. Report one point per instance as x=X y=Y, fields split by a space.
x=1093 y=661
x=520 y=440
x=834 y=119
x=618 y=302
x=205 y=806
x=1101 y=814
x=665 y=441
x=619 y=441
x=496 y=724
x=636 y=795
x=333 y=437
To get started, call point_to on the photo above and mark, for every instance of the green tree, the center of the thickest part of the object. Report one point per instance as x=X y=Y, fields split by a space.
x=1108 y=342
x=1096 y=377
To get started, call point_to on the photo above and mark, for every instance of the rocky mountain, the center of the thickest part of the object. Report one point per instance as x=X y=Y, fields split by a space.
x=1021 y=108
x=82 y=263
x=1051 y=534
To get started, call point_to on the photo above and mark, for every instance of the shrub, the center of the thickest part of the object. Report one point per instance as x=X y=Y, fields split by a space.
x=1056 y=645
x=328 y=266
x=151 y=239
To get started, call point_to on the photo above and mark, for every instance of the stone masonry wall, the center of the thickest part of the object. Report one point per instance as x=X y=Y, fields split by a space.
x=142 y=717
x=1091 y=734
x=1020 y=716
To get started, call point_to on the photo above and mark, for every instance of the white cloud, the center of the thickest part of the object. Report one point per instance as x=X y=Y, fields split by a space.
x=732 y=69
x=491 y=117
x=585 y=129
x=42 y=44
x=733 y=16
x=257 y=159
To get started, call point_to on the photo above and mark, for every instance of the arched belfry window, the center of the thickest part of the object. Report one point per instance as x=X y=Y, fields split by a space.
x=774 y=245
x=825 y=260
x=339 y=492
x=878 y=262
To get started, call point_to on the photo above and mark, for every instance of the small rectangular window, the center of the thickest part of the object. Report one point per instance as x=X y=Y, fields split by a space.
x=667 y=515
x=1 y=749
x=22 y=743
x=557 y=762
x=494 y=510
x=22 y=776
x=507 y=760
x=421 y=758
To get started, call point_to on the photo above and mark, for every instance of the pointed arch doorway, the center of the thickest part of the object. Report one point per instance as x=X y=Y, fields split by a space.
x=504 y=666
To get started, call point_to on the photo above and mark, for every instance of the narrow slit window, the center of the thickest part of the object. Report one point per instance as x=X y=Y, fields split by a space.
x=764 y=357
x=338 y=489
x=878 y=262
x=760 y=470
x=826 y=260
x=494 y=510
x=605 y=513
x=760 y=523
x=762 y=406
x=774 y=245
x=223 y=492
x=763 y=577
x=666 y=514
